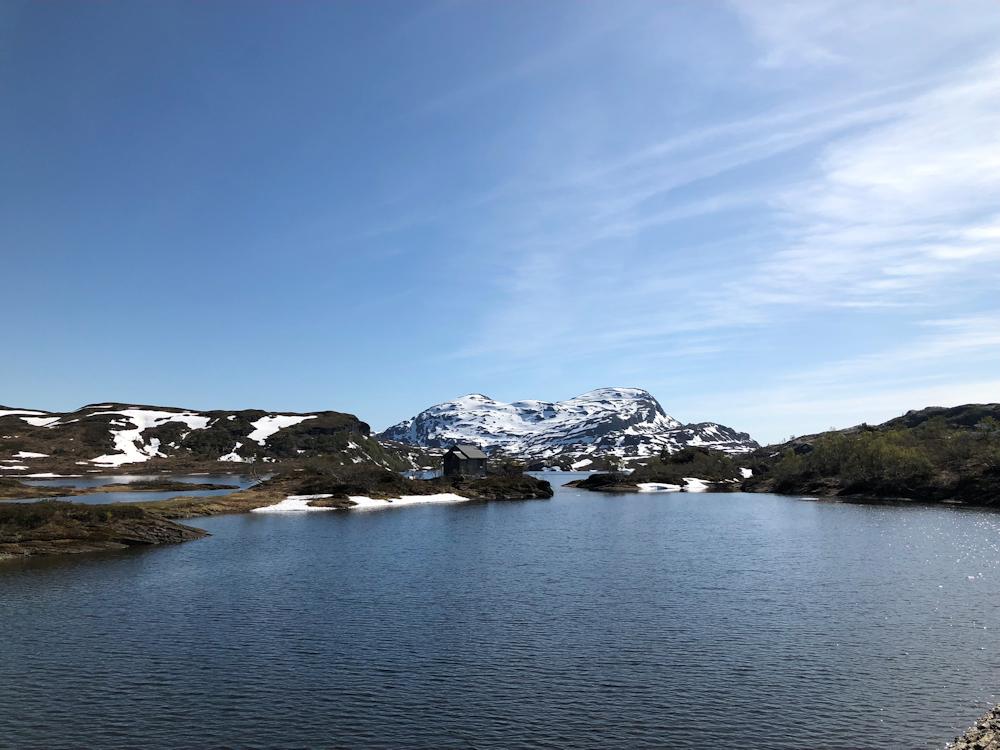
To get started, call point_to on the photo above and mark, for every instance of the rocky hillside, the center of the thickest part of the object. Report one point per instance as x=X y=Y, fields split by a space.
x=931 y=455
x=622 y=423
x=126 y=437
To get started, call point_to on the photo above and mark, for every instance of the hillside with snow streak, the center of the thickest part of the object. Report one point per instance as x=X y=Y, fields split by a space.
x=620 y=422
x=127 y=437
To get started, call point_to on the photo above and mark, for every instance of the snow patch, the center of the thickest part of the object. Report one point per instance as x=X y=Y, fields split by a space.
x=292 y=504
x=368 y=503
x=41 y=421
x=746 y=473
x=658 y=487
x=233 y=456
x=29 y=454
x=267 y=426
x=622 y=422
x=128 y=440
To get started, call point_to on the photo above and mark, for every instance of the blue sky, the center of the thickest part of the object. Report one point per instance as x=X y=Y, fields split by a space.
x=780 y=216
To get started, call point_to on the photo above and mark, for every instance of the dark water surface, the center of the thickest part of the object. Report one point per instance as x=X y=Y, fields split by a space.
x=243 y=480
x=586 y=621
x=138 y=496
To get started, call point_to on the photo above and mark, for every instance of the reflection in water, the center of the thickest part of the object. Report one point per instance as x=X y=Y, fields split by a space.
x=124 y=496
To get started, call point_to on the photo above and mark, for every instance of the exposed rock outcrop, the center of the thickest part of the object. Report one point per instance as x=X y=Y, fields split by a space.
x=60 y=527
x=985 y=735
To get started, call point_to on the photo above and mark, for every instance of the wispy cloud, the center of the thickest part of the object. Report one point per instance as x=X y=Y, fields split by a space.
x=892 y=197
x=899 y=209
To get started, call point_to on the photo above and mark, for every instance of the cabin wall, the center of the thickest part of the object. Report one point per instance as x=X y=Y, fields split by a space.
x=455 y=465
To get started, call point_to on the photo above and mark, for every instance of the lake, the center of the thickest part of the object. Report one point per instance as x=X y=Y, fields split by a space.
x=240 y=481
x=585 y=621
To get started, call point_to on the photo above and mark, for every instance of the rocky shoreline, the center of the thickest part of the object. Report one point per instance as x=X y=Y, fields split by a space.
x=46 y=528
x=61 y=527
x=984 y=735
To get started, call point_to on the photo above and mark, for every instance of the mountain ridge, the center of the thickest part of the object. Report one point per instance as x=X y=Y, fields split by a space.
x=125 y=437
x=622 y=423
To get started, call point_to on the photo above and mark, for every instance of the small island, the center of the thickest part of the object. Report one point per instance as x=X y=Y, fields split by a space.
x=54 y=527
x=61 y=527
x=692 y=469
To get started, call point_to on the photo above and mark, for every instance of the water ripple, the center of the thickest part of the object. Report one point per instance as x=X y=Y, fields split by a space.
x=680 y=621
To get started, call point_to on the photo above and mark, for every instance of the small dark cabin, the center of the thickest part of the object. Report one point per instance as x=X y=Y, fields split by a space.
x=464 y=459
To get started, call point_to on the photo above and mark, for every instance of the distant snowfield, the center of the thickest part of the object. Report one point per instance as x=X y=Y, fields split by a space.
x=128 y=428
x=7 y=412
x=267 y=426
x=132 y=448
x=129 y=440
x=623 y=422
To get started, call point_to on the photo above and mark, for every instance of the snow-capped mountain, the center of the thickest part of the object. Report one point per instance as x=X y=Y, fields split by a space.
x=622 y=422
x=100 y=437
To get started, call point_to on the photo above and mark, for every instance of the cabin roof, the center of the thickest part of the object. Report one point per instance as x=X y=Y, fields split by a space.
x=467 y=451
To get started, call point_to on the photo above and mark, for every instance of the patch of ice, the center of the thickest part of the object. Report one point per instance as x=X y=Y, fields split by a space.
x=292 y=504
x=267 y=426
x=29 y=454
x=369 y=503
